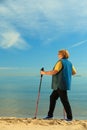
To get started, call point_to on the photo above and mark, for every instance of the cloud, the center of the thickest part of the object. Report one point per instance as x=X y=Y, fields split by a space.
x=10 y=36
x=40 y=19
x=12 y=39
x=34 y=15
x=78 y=44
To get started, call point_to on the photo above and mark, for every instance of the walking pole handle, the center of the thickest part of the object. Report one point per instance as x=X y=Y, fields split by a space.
x=42 y=69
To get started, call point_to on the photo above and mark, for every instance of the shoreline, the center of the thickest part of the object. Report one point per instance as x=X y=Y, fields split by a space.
x=13 y=123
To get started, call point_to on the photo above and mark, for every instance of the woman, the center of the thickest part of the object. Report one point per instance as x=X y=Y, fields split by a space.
x=61 y=82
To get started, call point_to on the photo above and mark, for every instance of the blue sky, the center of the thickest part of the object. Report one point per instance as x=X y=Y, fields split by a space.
x=32 y=32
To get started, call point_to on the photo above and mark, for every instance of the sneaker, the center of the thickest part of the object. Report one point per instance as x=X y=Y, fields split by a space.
x=68 y=119
x=48 y=117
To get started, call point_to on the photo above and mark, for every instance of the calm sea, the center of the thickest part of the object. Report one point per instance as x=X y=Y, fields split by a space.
x=18 y=97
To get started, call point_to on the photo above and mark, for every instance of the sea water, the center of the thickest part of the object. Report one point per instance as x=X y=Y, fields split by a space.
x=18 y=97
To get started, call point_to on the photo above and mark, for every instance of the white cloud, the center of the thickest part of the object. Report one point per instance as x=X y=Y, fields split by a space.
x=9 y=35
x=78 y=44
x=9 y=39
x=40 y=18
x=34 y=14
x=12 y=39
x=2 y=9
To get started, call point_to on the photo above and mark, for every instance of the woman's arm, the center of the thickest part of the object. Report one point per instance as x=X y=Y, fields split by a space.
x=51 y=72
x=73 y=70
x=56 y=69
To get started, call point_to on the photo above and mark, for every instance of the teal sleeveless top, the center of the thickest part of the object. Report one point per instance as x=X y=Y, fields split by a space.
x=62 y=79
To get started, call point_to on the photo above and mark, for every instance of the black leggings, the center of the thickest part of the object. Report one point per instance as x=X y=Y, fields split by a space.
x=64 y=99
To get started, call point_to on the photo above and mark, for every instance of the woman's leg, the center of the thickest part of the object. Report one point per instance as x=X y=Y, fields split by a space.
x=53 y=97
x=65 y=102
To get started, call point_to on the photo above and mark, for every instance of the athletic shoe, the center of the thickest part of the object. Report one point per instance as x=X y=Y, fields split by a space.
x=48 y=117
x=68 y=119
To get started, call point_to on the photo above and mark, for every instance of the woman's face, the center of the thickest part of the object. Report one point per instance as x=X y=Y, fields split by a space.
x=60 y=56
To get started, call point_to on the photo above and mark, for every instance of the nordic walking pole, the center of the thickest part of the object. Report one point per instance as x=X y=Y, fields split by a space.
x=37 y=102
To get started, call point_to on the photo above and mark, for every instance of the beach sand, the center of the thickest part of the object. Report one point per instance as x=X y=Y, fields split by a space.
x=40 y=124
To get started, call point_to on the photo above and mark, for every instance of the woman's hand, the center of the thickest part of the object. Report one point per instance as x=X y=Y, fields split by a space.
x=42 y=72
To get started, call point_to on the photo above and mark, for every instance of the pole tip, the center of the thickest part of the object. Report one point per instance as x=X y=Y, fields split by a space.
x=34 y=117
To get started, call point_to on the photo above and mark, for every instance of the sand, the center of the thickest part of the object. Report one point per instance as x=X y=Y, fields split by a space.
x=40 y=124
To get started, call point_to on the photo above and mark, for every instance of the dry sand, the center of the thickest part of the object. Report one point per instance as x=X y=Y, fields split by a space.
x=40 y=124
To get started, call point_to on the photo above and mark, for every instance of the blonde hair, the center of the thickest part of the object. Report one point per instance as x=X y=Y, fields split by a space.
x=64 y=53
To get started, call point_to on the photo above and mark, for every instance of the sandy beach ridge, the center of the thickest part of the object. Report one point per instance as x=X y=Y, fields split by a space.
x=13 y=123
